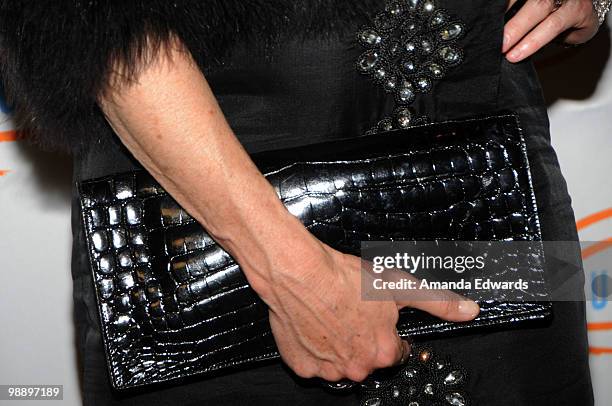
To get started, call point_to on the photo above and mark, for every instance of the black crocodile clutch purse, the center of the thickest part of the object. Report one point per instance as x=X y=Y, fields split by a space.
x=172 y=303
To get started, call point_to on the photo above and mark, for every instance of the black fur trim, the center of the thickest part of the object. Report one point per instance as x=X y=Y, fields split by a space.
x=55 y=54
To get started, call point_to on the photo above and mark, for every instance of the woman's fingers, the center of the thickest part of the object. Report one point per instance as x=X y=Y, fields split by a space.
x=444 y=304
x=526 y=19
x=542 y=34
x=539 y=22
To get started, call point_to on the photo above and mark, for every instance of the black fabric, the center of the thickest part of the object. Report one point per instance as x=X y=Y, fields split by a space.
x=301 y=90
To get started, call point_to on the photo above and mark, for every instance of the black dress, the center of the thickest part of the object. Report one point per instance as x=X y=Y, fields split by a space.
x=286 y=74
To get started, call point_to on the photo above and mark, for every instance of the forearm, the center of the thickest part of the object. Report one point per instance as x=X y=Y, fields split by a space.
x=172 y=124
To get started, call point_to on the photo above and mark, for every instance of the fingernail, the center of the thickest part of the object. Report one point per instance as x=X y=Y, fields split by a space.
x=468 y=308
x=515 y=54
x=506 y=40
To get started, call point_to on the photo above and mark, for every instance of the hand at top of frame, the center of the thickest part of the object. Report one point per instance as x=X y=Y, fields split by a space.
x=539 y=22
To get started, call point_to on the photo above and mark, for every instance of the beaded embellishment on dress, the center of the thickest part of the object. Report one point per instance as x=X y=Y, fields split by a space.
x=425 y=379
x=411 y=44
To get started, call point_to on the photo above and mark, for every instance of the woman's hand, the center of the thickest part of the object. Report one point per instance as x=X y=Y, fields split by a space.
x=324 y=329
x=169 y=119
x=539 y=22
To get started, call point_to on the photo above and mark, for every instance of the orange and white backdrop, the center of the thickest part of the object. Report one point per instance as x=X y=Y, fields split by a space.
x=36 y=338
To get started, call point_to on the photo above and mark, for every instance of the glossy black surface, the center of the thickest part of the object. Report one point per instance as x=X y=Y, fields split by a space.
x=173 y=303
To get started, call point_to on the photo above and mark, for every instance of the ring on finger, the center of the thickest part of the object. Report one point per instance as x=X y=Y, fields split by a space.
x=405 y=352
x=557 y=4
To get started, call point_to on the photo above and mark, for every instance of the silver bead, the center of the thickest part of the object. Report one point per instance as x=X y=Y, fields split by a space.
x=453 y=377
x=455 y=399
x=403 y=117
x=391 y=83
x=428 y=6
x=423 y=84
x=380 y=74
x=428 y=389
x=409 y=66
x=395 y=392
x=410 y=47
x=436 y=71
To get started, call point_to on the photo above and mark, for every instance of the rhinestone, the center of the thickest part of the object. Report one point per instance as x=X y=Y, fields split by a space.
x=405 y=93
x=409 y=66
x=428 y=6
x=391 y=83
x=453 y=377
x=412 y=390
x=413 y=3
x=423 y=84
x=425 y=356
x=368 y=61
x=410 y=47
x=380 y=74
x=372 y=402
x=455 y=399
x=453 y=31
x=428 y=389
x=440 y=365
x=436 y=70
x=450 y=55
x=370 y=37
x=410 y=373
x=427 y=46
x=413 y=404
x=438 y=19
x=403 y=118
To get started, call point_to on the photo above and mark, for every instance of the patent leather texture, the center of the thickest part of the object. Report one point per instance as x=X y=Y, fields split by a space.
x=172 y=303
